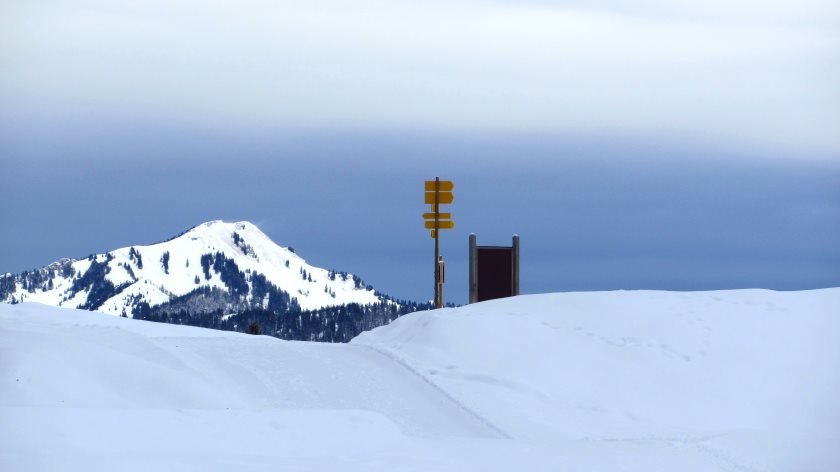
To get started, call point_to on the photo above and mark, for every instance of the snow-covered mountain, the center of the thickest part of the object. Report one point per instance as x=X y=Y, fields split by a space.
x=200 y=277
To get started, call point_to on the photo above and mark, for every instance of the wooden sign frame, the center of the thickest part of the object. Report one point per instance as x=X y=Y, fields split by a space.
x=494 y=260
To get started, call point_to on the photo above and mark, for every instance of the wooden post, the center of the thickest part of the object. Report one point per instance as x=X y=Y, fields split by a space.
x=438 y=289
x=441 y=280
x=515 y=262
x=473 y=270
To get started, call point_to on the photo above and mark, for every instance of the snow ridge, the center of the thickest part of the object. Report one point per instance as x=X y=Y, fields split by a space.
x=444 y=394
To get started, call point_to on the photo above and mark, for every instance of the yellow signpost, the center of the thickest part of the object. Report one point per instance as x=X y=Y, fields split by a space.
x=443 y=185
x=449 y=224
x=438 y=192
x=442 y=197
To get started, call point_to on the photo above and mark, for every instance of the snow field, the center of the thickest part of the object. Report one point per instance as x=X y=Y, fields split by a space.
x=741 y=380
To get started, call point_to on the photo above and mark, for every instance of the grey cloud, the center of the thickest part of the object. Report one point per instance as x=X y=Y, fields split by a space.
x=433 y=65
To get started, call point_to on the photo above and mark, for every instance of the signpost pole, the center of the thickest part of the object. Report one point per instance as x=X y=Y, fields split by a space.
x=438 y=288
x=436 y=193
x=473 y=272
x=515 y=268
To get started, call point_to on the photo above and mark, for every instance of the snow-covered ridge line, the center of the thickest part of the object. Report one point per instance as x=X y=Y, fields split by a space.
x=235 y=258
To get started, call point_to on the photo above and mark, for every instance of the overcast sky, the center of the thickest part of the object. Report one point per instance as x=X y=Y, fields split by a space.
x=631 y=144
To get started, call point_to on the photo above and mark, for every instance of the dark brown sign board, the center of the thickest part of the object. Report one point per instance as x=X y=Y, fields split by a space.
x=494 y=271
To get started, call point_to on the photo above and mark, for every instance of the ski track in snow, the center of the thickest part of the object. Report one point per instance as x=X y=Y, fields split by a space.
x=394 y=358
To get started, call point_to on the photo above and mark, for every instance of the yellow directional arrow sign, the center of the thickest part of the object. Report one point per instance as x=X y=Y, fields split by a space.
x=442 y=216
x=444 y=198
x=444 y=185
x=447 y=224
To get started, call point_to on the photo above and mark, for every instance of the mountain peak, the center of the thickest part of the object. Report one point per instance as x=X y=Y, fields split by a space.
x=221 y=225
x=226 y=230
x=216 y=223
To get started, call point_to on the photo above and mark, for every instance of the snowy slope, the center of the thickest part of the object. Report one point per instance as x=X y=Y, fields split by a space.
x=711 y=381
x=157 y=273
x=751 y=375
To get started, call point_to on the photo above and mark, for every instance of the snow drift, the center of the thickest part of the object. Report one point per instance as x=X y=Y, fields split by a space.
x=730 y=380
